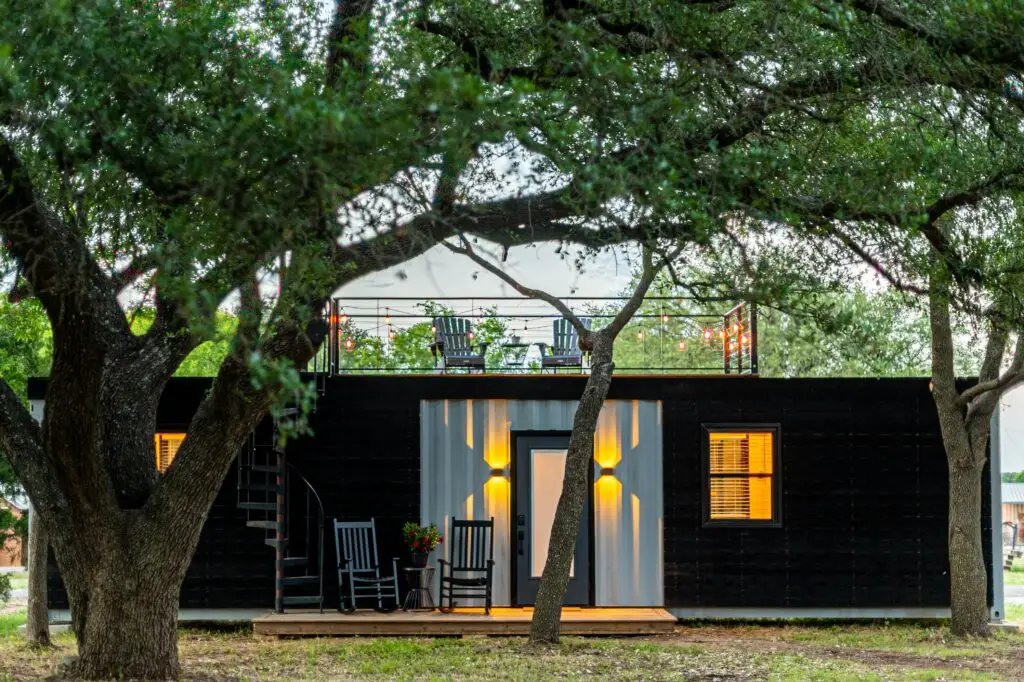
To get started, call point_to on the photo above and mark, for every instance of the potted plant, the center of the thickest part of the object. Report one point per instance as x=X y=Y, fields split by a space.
x=421 y=541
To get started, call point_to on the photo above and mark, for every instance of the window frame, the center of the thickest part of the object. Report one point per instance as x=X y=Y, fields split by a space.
x=169 y=435
x=705 y=453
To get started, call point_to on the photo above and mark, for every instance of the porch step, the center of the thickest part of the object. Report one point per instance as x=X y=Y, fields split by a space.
x=292 y=562
x=269 y=525
x=276 y=544
x=292 y=581
x=266 y=506
x=302 y=601
x=265 y=467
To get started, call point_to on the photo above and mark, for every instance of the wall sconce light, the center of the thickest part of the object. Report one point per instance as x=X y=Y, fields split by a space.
x=497 y=472
x=607 y=471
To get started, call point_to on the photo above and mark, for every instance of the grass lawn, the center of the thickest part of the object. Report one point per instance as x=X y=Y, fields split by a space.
x=1015 y=576
x=734 y=652
x=19 y=580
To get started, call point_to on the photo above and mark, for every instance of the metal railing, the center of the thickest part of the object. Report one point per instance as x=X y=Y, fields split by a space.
x=668 y=335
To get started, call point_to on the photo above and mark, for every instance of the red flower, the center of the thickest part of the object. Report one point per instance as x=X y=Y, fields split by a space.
x=412 y=533
x=440 y=540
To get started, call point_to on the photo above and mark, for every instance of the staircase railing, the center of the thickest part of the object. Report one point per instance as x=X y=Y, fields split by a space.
x=265 y=494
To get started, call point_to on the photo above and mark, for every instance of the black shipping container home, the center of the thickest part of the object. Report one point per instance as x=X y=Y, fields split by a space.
x=728 y=496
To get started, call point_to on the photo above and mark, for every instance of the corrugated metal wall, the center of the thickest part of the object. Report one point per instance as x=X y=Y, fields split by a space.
x=461 y=441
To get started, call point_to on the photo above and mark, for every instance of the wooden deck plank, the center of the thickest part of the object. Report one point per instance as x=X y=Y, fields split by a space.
x=501 y=621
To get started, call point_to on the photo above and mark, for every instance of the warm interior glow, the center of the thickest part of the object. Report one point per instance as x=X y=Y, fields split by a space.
x=547 y=469
x=741 y=475
x=607 y=448
x=608 y=510
x=469 y=508
x=166 y=445
x=496 y=447
x=634 y=503
x=496 y=501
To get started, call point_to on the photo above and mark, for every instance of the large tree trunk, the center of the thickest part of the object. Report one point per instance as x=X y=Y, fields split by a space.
x=968 y=585
x=579 y=473
x=964 y=421
x=37 y=628
x=125 y=615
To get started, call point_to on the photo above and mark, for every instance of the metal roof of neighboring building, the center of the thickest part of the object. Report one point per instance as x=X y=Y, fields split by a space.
x=1013 y=493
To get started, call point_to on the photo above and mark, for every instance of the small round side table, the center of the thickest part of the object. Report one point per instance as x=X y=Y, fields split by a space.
x=419 y=581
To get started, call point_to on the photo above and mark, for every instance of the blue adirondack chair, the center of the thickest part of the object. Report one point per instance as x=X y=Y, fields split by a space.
x=453 y=338
x=565 y=349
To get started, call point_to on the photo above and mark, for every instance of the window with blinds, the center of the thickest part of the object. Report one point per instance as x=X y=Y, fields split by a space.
x=167 y=445
x=741 y=479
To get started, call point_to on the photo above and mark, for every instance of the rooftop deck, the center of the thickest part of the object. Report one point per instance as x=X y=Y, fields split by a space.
x=521 y=336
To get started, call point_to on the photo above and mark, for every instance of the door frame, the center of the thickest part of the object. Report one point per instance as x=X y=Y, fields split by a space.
x=515 y=435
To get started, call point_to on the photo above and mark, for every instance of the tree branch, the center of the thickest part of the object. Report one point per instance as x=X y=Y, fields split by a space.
x=994 y=355
x=21 y=441
x=467 y=250
x=992 y=51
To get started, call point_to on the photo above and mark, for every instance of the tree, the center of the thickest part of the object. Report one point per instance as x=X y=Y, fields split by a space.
x=600 y=344
x=25 y=351
x=188 y=153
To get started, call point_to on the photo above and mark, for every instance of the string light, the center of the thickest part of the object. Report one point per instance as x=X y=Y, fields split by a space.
x=735 y=328
x=344 y=319
x=682 y=345
x=387 y=316
x=744 y=339
x=664 y=317
x=721 y=334
x=640 y=334
x=349 y=344
x=707 y=334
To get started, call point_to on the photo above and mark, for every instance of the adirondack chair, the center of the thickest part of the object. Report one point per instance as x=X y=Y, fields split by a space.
x=565 y=349
x=469 y=573
x=453 y=338
x=355 y=547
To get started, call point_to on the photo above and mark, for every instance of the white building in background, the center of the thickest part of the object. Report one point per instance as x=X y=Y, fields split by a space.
x=1011 y=431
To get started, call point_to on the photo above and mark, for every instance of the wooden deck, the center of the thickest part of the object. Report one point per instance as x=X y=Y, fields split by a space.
x=501 y=621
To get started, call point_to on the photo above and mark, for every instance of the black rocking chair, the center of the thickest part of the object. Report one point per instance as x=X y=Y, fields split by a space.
x=453 y=337
x=565 y=351
x=355 y=547
x=470 y=572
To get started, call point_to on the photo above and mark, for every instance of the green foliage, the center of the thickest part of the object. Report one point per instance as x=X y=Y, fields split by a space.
x=421 y=538
x=26 y=344
x=1013 y=477
x=5 y=587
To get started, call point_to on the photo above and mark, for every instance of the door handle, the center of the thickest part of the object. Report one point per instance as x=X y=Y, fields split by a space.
x=521 y=542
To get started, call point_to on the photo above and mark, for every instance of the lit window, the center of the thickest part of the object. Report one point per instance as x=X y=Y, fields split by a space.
x=167 y=445
x=741 y=465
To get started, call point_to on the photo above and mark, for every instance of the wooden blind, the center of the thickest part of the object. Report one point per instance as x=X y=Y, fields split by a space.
x=741 y=473
x=167 y=445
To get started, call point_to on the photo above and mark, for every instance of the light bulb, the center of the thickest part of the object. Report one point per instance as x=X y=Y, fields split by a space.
x=349 y=344
x=682 y=346
x=344 y=319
